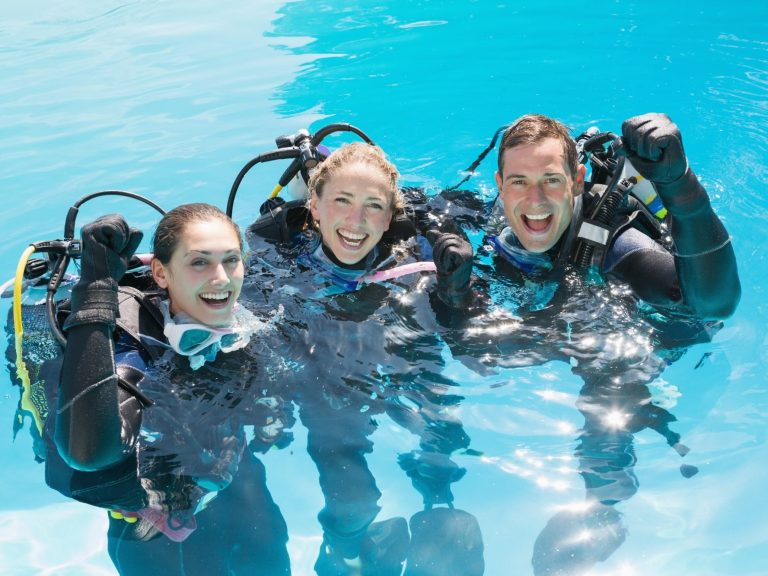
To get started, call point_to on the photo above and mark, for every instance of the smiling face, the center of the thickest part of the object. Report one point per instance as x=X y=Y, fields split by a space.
x=205 y=272
x=538 y=192
x=353 y=210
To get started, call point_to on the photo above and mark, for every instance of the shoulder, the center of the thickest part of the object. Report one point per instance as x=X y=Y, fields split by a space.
x=629 y=242
x=648 y=268
x=140 y=317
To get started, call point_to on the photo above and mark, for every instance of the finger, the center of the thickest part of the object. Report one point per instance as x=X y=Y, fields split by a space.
x=112 y=231
x=441 y=241
x=635 y=131
x=134 y=240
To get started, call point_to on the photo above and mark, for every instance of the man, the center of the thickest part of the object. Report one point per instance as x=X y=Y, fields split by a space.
x=532 y=306
x=541 y=183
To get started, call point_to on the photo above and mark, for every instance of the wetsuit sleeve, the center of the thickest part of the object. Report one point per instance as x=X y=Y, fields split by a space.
x=88 y=425
x=97 y=422
x=704 y=258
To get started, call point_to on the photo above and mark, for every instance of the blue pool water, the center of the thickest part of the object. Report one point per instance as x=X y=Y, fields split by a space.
x=170 y=99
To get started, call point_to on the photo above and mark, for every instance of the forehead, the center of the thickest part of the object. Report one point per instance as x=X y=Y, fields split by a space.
x=359 y=178
x=546 y=156
x=208 y=236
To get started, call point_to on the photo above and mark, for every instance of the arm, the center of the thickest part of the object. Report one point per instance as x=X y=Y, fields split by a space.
x=89 y=427
x=704 y=258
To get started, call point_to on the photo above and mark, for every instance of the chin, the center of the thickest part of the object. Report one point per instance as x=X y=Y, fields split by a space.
x=216 y=317
x=537 y=246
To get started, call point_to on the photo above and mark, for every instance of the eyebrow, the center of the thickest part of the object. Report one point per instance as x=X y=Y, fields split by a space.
x=209 y=253
x=365 y=198
x=508 y=176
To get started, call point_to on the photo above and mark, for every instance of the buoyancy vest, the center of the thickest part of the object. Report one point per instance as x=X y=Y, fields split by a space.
x=632 y=213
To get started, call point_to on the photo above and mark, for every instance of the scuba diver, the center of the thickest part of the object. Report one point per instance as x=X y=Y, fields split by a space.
x=588 y=274
x=151 y=397
x=551 y=220
x=348 y=271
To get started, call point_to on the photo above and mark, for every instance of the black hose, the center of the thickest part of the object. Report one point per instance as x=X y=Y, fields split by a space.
x=472 y=167
x=279 y=154
x=69 y=222
x=339 y=127
x=603 y=212
x=59 y=268
x=295 y=152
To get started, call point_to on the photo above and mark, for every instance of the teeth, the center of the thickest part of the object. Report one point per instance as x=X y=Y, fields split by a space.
x=537 y=216
x=215 y=295
x=351 y=236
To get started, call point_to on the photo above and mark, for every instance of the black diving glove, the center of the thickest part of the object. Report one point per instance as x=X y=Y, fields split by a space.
x=108 y=244
x=453 y=258
x=655 y=148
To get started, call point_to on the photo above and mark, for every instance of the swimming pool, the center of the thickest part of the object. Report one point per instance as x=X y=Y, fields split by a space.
x=169 y=100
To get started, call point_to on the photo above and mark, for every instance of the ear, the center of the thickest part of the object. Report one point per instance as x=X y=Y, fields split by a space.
x=578 y=184
x=159 y=273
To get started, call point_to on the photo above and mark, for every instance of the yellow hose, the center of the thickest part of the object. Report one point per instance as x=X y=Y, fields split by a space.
x=276 y=191
x=18 y=326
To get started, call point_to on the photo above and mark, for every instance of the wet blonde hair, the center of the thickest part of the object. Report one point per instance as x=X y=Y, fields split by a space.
x=368 y=154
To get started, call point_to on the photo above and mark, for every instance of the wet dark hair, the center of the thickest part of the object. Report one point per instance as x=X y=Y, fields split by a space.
x=172 y=226
x=532 y=129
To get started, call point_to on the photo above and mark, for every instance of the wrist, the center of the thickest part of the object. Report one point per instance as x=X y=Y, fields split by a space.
x=452 y=293
x=685 y=196
x=93 y=302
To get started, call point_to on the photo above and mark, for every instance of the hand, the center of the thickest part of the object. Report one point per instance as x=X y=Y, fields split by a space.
x=453 y=259
x=108 y=244
x=452 y=255
x=655 y=147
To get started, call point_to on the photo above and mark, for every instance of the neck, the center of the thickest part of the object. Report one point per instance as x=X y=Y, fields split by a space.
x=361 y=264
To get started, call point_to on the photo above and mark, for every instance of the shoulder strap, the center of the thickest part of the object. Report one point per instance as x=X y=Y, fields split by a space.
x=140 y=315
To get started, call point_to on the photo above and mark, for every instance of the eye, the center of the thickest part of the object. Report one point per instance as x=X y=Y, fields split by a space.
x=341 y=200
x=553 y=181
x=232 y=260
x=517 y=182
x=199 y=263
x=376 y=205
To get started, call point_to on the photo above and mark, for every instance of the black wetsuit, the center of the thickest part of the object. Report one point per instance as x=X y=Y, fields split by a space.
x=618 y=325
x=363 y=350
x=186 y=447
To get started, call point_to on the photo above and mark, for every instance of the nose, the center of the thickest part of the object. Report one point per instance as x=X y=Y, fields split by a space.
x=220 y=275
x=356 y=215
x=537 y=193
